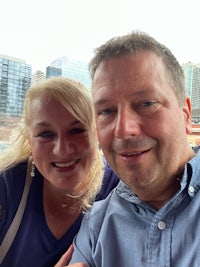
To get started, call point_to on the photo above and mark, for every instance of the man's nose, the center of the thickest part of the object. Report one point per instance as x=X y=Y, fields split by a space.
x=127 y=123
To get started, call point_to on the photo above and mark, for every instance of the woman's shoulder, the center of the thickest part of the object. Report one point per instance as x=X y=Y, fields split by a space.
x=11 y=187
x=12 y=183
x=14 y=174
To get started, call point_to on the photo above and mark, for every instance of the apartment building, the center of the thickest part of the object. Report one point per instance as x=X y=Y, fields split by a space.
x=15 y=79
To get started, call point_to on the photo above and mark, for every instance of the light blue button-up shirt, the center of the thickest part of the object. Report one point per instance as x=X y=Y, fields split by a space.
x=123 y=231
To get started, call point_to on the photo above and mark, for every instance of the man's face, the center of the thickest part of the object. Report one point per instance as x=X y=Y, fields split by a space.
x=142 y=128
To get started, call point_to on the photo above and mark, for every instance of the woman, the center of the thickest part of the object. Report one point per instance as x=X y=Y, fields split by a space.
x=57 y=137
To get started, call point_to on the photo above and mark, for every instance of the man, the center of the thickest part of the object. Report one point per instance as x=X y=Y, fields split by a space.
x=143 y=117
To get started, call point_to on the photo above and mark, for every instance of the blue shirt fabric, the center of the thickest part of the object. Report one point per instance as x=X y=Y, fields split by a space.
x=34 y=244
x=122 y=230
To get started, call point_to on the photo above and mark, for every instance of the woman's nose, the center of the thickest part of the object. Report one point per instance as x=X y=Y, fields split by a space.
x=63 y=147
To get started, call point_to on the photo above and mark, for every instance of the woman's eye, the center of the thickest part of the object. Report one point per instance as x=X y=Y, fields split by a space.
x=78 y=130
x=106 y=112
x=46 y=134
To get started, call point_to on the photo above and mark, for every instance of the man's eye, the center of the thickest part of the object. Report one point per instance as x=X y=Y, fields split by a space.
x=147 y=107
x=46 y=134
x=147 y=103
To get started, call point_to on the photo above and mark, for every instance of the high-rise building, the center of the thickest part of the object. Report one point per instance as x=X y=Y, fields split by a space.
x=15 y=79
x=53 y=72
x=192 y=80
x=37 y=76
x=71 y=68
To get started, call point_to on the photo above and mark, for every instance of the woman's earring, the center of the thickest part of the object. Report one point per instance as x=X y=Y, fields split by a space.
x=33 y=169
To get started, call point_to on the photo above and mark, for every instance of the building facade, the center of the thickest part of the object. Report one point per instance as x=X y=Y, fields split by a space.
x=15 y=79
x=53 y=72
x=37 y=76
x=70 y=68
x=192 y=81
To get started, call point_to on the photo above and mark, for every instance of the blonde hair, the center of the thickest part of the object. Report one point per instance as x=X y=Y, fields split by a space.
x=76 y=99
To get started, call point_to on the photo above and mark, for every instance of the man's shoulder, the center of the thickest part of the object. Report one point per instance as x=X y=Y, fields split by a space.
x=100 y=209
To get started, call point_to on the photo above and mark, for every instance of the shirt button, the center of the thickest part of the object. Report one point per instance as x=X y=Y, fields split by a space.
x=191 y=189
x=161 y=225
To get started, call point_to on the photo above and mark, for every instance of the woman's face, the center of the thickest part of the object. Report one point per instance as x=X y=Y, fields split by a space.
x=60 y=145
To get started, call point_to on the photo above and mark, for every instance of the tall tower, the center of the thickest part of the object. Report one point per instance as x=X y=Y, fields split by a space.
x=192 y=79
x=53 y=72
x=37 y=76
x=71 y=68
x=15 y=79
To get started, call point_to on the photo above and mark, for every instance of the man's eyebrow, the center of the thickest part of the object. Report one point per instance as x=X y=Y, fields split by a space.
x=101 y=102
x=107 y=100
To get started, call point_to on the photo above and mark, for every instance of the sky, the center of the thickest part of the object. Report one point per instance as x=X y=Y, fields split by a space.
x=40 y=31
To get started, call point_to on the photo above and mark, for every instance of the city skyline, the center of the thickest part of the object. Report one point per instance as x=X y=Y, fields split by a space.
x=41 y=31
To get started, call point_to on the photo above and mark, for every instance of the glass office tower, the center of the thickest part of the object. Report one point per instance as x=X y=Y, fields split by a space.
x=192 y=79
x=15 y=79
x=53 y=72
x=70 y=68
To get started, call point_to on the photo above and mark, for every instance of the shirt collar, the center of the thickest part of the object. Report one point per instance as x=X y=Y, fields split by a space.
x=190 y=179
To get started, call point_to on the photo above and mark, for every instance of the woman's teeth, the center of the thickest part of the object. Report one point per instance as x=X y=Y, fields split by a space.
x=65 y=164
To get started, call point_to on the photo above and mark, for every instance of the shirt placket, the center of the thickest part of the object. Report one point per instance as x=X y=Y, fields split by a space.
x=159 y=242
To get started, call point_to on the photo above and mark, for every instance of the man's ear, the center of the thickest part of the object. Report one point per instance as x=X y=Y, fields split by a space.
x=187 y=110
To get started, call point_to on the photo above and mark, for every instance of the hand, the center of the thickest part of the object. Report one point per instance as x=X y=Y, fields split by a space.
x=67 y=257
